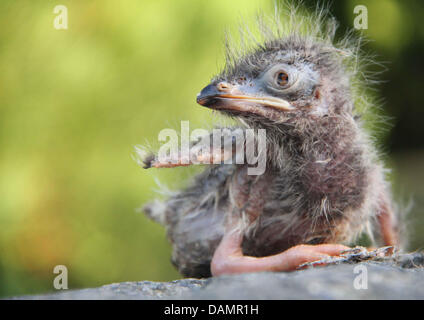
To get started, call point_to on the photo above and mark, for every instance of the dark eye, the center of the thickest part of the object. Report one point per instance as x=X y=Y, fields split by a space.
x=282 y=78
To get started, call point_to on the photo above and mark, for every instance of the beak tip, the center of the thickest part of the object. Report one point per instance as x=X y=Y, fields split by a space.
x=200 y=100
x=206 y=94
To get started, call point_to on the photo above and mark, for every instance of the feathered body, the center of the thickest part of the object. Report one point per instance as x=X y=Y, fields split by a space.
x=323 y=181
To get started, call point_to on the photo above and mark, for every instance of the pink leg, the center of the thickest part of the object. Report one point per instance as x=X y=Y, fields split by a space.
x=387 y=222
x=388 y=231
x=229 y=258
x=250 y=194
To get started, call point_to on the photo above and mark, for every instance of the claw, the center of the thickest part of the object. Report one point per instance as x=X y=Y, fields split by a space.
x=148 y=161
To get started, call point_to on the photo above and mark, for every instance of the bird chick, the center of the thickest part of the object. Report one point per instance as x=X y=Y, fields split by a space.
x=324 y=184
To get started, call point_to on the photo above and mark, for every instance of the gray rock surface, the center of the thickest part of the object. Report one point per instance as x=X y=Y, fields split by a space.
x=396 y=278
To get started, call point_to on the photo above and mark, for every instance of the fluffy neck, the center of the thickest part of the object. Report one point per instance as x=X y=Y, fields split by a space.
x=323 y=158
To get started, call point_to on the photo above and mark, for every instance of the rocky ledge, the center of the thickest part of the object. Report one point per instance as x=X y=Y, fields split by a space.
x=398 y=277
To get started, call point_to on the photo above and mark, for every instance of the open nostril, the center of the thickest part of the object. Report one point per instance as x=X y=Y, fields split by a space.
x=223 y=86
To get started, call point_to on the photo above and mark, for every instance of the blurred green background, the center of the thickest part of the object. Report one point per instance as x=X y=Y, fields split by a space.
x=74 y=102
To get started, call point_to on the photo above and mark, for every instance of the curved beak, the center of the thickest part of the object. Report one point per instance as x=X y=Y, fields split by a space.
x=228 y=97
